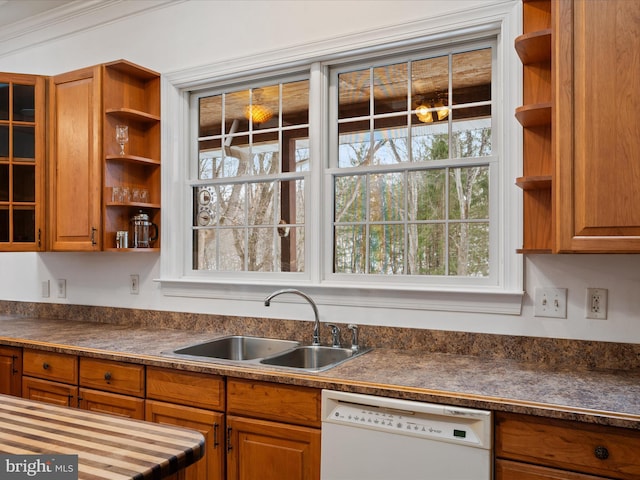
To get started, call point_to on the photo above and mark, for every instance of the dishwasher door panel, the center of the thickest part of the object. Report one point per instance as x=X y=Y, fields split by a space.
x=350 y=453
x=378 y=438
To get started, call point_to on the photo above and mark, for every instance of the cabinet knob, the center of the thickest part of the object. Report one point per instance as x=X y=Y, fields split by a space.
x=601 y=452
x=107 y=376
x=45 y=366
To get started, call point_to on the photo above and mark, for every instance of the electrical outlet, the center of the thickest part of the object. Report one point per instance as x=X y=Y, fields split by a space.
x=134 y=284
x=62 y=288
x=550 y=302
x=44 y=286
x=596 y=306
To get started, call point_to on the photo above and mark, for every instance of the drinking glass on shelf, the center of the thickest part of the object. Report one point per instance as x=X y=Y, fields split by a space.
x=125 y=194
x=122 y=136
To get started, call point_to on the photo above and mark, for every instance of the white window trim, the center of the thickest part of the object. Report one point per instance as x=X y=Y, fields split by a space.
x=503 y=298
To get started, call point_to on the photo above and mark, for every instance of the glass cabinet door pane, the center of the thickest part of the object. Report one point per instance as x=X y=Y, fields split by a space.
x=4 y=101
x=24 y=225
x=24 y=183
x=4 y=141
x=4 y=224
x=4 y=183
x=24 y=142
x=23 y=103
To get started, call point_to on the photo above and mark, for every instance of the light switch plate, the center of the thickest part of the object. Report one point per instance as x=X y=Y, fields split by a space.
x=550 y=302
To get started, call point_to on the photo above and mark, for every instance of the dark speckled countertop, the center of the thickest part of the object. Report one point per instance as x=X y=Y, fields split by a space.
x=603 y=396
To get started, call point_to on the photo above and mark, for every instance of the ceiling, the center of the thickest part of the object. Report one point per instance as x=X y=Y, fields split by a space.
x=15 y=11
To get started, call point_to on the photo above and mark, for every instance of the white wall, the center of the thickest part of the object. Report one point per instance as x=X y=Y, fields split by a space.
x=178 y=35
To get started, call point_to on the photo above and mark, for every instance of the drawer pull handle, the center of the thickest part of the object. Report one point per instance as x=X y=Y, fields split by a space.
x=107 y=376
x=45 y=366
x=601 y=452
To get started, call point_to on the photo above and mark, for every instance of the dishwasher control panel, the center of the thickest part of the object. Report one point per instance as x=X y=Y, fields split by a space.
x=444 y=423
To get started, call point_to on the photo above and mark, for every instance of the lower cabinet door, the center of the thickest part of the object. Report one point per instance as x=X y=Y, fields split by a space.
x=263 y=450
x=210 y=424
x=50 y=392
x=112 y=403
x=508 y=470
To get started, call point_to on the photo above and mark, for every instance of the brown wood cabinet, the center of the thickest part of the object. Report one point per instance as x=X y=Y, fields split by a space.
x=22 y=162
x=46 y=391
x=112 y=376
x=94 y=190
x=533 y=448
x=263 y=450
x=50 y=377
x=112 y=387
x=91 y=384
x=597 y=98
x=74 y=162
x=272 y=431
x=581 y=137
x=11 y=370
x=191 y=400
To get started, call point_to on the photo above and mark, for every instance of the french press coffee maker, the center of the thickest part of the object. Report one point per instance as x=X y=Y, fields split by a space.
x=141 y=228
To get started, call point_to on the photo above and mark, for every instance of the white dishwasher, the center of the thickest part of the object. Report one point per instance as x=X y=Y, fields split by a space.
x=377 y=438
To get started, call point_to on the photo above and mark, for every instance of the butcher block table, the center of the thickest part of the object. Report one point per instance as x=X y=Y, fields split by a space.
x=108 y=447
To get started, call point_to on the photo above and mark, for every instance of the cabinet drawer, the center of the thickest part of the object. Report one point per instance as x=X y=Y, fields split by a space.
x=112 y=376
x=50 y=392
x=509 y=470
x=50 y=366
x=272 y=401
x=594 y=449
x=186 y=388
x=111 y=403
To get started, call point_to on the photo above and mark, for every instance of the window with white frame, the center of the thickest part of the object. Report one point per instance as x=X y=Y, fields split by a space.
x=410 y=161
x=249 y=194
x=413 y=160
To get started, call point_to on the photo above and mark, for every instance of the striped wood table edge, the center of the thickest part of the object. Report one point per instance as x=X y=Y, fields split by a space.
x=108 y=447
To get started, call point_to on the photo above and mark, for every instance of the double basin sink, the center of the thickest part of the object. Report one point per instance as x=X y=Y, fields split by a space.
x=268 y=351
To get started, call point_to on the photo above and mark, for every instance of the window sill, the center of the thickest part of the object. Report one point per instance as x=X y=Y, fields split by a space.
x=468 y=300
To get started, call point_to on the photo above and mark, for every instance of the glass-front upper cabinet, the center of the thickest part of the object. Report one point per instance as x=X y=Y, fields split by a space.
x=22 y=157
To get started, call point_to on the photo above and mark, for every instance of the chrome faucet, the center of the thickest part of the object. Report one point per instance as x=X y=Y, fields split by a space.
x=316 y=325
x=355 y=346
x=335 y=335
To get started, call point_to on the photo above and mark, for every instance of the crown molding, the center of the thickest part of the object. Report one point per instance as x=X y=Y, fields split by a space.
x=71 y=19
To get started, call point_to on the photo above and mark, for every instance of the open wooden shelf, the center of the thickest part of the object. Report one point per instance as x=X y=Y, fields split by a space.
x=133 y=158
x=534 y=115
x=536 y=182
x=534 y=47
x=132 y=115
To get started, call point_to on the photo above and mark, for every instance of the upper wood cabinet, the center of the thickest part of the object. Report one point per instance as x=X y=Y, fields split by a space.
x=94 y=189
x=580 y=130
x=74 y=162
x=598 y=99
x=22 y=162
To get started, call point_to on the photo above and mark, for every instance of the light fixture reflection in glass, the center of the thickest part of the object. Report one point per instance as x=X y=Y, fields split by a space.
x=257 y=112
x=425 y=110
x=424 y=114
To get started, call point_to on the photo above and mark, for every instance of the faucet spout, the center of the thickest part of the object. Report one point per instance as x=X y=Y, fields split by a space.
x=316 y=325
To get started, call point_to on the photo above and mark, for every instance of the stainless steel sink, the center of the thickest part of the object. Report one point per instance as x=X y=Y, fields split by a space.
x=313 y=358
x=238 y=348
x=246 y=350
